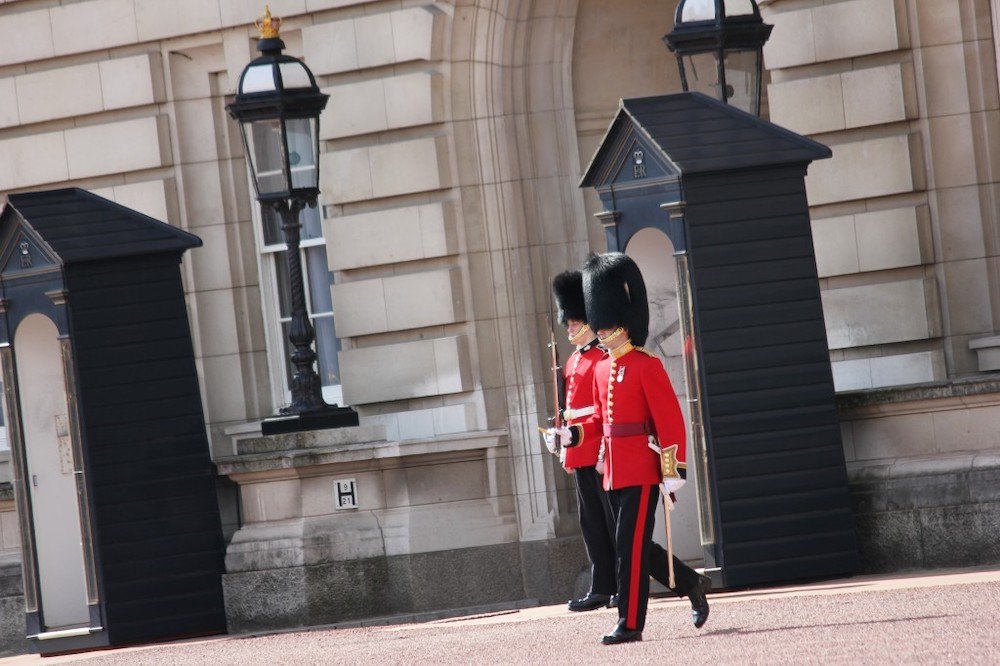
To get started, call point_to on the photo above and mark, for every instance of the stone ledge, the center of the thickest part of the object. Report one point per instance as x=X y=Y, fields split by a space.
x=865 y=472
x=984 y=390
x=312 y=439
x=308 y=449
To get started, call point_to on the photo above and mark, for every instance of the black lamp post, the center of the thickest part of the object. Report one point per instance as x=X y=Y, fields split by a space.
x=719 y=44
x=278 y=105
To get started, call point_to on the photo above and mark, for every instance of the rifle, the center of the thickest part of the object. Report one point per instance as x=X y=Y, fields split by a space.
x=558 y=384
x=557 y=420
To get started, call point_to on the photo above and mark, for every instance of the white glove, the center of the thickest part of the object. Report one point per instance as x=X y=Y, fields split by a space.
x=557 y=438
x=670 y=486
x=549 y=435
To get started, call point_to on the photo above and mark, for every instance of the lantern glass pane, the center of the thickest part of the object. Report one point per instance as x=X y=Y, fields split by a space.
x=302 y=151
x=257 y=78
x=266 y=156
x=698 y=10
x=294 y=75
x=701 y=71
x=741 y=79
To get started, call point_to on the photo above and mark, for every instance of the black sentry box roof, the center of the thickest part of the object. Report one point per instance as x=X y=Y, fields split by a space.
x=80 y=226
x=700 y=135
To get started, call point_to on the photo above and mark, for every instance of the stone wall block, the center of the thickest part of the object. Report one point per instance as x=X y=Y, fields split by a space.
x=345 y=175
x=80 y=27
x=938 y=22
x=385 y=170
x=903 y=369
x=9 y=116
x=961 y=535
x=88 y=154
x=808 y=106
x=452 y=364
x=220 y=374
x=156 y=19
x=865 y=169
x=354 y=108
x=377 y=105
x=405 y=370
x=20 y=165
x=792 y=41
x=128 y=82
x=914 y=492
x=59 y=93
x=967 y=290
x=878 y=95
x=414 y=99
x=374 y=40
x=852 y=375
x=953 y=151
x=836 y=245
x=892 y=239
x=244 y=12
x=889 y=541
x=390 y=236
x=360 y=307
x=330 y=48
x=407 y=167
x=413 y=33
x=881 y=313
x=891 y=370
x=856 y=28
x=429 y=298
x=945 y=79
x=39 y=47
x=984 y=485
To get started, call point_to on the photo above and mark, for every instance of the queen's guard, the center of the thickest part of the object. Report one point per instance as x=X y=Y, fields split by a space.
x=580 y=440
x=642 y=444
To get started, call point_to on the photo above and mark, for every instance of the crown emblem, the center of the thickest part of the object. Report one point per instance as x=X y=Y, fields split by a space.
x=268 y=25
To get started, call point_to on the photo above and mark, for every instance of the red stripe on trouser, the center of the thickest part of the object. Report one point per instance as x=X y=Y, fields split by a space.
x=635 y=565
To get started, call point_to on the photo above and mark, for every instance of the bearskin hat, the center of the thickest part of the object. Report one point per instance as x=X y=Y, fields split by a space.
x=568 y=290
x=614 y=294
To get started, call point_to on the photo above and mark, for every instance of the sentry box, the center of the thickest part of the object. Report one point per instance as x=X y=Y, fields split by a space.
x=119 y=522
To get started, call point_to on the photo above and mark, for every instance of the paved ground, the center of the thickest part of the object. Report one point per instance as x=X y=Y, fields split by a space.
x=929 y=618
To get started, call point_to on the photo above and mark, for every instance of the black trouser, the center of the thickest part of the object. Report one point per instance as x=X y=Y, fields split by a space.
x=639 y=557
x=597 y=523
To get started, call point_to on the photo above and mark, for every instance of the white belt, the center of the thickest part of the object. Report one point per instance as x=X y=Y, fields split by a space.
x=570 y=414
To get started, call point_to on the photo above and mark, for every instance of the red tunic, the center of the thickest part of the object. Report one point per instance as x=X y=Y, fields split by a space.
x=635 y=389
x=579 y=375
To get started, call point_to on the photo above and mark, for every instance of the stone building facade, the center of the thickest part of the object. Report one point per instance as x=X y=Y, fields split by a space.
x=452 y=145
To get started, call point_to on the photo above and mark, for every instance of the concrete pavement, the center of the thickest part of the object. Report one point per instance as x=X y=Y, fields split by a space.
x=942 y=617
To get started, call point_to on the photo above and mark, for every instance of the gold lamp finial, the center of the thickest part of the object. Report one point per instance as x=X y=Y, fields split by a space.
x=268 y=25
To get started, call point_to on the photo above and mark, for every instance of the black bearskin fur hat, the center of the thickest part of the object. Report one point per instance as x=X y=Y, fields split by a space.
x=615 y=295
x=568 y=290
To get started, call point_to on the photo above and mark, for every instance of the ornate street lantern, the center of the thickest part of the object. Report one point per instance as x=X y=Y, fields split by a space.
x=718 y=44
x=278 y=105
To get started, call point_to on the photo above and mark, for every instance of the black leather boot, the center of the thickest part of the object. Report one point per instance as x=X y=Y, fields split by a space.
x=621 y=634
x=590 y=602
x=699 y=602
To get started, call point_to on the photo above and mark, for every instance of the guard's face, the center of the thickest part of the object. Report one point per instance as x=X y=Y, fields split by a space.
x=612 y=336
x=573 y=326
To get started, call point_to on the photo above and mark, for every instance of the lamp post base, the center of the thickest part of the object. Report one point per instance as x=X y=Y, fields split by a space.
x=331 y=416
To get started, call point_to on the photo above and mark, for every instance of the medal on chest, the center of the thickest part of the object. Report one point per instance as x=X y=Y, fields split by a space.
x=621 y=374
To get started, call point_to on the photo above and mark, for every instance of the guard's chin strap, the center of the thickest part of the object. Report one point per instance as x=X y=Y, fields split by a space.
x=582 y=337
x=604 y=338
